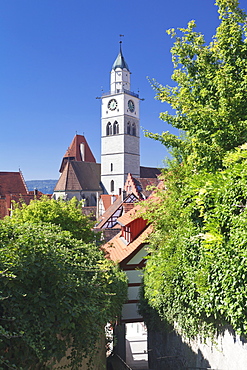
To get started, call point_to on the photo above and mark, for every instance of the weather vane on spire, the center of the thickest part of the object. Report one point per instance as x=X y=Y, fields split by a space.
x=120 y=42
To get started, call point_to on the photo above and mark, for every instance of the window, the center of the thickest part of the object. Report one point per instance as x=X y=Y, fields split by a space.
x=128 y=128
x=115 y=128
x=109 y=129
x=127 y=234
x=111 y=167
x=133 y=129
x=112 y=185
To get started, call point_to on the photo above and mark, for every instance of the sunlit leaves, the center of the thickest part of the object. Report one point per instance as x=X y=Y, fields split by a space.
x=196 y=273
x=68 y=215
x=209 y=97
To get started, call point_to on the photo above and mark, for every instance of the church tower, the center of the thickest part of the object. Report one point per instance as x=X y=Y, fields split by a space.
x=120 y=129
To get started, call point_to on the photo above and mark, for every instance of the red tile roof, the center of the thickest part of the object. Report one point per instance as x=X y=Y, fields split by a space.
x=116 y=250
x=12 y=183
x=13 y=188
x=128 y=217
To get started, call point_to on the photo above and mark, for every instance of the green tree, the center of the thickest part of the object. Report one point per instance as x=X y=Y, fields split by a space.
x=209 y=97
x=68 y=215
x=56 y=291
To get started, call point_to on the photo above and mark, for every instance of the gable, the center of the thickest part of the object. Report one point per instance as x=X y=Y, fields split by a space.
x=78 y=150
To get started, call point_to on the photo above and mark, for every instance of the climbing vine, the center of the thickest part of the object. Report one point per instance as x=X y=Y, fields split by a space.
x=196 y=275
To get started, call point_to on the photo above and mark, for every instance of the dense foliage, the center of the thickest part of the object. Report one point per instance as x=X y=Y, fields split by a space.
x=209 y=97
x=196 y=274
x=68 y=215
x=56 y=293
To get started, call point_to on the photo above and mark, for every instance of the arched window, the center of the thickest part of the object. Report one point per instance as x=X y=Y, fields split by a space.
x=115 y=128
x=111 y=166
x=112 y=185
x=109 y=129
x=133 y=129
x=128 y=128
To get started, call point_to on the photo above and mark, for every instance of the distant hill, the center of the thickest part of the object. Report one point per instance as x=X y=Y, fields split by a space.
x=45 y=186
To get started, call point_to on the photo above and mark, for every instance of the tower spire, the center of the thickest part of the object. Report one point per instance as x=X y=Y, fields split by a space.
x=120 y=61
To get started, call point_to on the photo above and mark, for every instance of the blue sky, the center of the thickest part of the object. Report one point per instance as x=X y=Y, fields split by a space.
x=56 y=56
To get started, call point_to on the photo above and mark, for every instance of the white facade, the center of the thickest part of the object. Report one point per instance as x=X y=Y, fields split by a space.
x=130 y=308
x=120 y=130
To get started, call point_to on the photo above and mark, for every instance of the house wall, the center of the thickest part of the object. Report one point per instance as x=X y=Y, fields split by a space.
x=137 y=227
x=89 y=196
x=134 y=274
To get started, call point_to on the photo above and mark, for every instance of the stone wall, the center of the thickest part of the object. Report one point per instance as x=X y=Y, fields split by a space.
x=168 y=351
x=99 y=360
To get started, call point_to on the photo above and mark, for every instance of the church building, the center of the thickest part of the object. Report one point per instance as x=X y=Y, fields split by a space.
x=80 y=175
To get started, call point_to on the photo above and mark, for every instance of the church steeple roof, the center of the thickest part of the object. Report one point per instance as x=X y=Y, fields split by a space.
x=120 y=61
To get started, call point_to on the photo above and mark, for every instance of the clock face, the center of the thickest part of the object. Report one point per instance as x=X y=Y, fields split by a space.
x=112 y=105
x=131 y=106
